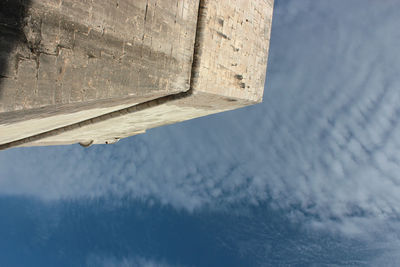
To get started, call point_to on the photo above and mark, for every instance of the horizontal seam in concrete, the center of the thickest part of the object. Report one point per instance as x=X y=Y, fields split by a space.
x=138 y=107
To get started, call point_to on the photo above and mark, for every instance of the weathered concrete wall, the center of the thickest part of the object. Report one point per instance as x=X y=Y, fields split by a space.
x=234 y=48
x=82 y=51
x=228 y=72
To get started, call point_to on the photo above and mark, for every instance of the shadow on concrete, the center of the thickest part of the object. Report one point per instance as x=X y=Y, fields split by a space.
x=12 y=14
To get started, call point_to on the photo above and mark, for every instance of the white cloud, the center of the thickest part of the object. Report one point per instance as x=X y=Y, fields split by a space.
x=326 y=139
x=95 y=260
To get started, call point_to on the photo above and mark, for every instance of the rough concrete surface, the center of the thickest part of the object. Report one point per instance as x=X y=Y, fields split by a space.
x=137 y=59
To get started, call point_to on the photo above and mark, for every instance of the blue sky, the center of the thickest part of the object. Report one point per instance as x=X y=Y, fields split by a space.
x=310 y=177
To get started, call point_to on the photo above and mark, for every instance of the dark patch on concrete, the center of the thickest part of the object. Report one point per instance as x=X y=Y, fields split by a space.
x=221 y=22
x=33 y=33
x=145 y=12
x=235 y=48
x=12 y=16
x=239 y=77
x=223 y=35
x=90 y=56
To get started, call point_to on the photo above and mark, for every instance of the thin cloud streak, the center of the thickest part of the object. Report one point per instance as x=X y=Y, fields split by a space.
x=104 y=261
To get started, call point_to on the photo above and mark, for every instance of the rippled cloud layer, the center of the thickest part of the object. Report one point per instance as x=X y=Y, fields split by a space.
x=324 y=145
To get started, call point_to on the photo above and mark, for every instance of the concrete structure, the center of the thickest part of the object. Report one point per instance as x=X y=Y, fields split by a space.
x=97 y=71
